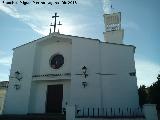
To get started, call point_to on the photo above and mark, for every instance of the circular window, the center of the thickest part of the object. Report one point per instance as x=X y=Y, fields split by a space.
x=56 y=61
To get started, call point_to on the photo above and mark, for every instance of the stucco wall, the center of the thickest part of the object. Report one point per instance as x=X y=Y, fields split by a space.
x=119 y=89
x=17 y=100
x=33 y=59
x=114 y=36
x=44 y=51
x=85 y=53
x=48 y=48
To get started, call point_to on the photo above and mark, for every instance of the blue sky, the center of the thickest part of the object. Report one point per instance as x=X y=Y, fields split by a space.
x=140 y=19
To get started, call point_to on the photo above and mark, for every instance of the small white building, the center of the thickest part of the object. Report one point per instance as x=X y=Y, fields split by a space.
x=59 y=70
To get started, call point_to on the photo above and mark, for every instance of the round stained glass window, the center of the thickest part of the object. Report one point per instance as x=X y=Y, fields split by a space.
x=56 y=61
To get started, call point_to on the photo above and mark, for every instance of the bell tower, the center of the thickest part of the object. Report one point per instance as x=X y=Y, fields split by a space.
x=113 y=32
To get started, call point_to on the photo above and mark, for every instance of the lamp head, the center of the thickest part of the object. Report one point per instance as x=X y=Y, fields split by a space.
x=84 y=69
x=18 y=75
x=17 y=72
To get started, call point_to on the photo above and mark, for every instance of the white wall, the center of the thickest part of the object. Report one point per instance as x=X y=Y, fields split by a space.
x=85 y=52
x=48 y=48
x=33 y=59
x=119 y=89
x=114 y=36
x=44 y=50
x=150 y=111
x=17 y=100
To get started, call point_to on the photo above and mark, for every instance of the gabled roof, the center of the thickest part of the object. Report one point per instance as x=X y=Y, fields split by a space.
x=54 y=34
x=66 y=36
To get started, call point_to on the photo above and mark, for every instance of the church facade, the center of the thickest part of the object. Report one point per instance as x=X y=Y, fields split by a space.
x=59 y=70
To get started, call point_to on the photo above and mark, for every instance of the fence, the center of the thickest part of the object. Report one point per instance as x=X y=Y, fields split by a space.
x=149 y=112
x=109 y=113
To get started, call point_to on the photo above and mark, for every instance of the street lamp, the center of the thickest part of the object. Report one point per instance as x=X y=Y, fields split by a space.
x=84 y=70
x=18 y=75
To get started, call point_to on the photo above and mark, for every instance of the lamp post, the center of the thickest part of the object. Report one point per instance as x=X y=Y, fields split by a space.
x=84 y=73
x=84 y=70
x=18 y=75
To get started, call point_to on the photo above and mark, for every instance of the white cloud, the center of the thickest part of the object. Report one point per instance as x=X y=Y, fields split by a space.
x=147 y=72
x=131 y=25
x=6 y=60
x=1 y=53
x=10 y=10
x=35 y=18
x=4 y=77
x=39 y=18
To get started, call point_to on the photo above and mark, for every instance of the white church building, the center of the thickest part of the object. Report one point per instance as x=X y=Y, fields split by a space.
x=58 y=70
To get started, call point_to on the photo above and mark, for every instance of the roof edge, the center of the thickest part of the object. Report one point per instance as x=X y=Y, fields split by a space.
x=53 y=35
x=120 y=44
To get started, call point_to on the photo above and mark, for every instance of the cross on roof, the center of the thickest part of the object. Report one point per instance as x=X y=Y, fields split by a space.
x=55 y=22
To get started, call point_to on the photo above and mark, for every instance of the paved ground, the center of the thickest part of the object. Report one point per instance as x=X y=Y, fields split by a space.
x=33 y=117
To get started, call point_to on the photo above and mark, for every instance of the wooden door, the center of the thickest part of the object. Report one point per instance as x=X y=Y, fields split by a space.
x=54 y=99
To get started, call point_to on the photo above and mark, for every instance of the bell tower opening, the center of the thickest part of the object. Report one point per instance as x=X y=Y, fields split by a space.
x=113 y=32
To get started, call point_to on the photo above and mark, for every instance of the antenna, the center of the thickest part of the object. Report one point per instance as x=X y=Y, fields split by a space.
x=112 y=9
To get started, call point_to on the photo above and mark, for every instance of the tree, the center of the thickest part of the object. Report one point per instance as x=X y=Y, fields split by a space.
x=143 y=95
x=150 y=94
x=154 y=92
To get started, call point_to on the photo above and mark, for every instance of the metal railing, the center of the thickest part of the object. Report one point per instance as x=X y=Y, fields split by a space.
x=109 y=113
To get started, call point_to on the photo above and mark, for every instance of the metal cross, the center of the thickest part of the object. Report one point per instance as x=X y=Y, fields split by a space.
x=55 y=21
